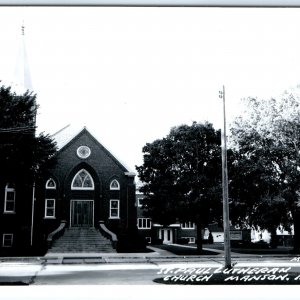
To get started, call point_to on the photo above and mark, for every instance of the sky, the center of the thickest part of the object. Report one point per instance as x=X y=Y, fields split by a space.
x=130 y=74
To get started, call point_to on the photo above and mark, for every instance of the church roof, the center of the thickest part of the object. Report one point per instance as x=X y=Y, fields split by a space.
x=65 y=135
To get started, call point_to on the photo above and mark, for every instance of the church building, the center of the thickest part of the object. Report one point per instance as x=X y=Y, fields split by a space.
x=86 y=197
x=87 y=188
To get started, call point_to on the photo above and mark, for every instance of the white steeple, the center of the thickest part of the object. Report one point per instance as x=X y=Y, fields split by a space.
x=21 y=81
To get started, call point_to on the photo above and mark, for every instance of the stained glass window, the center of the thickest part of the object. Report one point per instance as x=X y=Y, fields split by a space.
x=83 y=152
x=114 y=185
x=50 y=184
x=82 y=181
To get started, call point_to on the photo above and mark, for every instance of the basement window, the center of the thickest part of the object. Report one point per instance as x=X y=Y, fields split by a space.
x=7 y=240
x=191 y=240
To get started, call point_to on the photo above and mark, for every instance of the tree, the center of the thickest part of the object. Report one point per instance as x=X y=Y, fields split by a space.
x=265 y=182
x=181 y=174
x=23 y=155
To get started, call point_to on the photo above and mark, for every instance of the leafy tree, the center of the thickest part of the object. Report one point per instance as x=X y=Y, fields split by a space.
x=23 y=155
x=265 y=182
x=182 y=176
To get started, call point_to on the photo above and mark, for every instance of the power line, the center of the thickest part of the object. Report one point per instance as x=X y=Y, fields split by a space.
x=23 y=129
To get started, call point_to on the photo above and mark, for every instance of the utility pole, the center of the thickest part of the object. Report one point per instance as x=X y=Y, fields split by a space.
x=225 y=187
x=32 y=214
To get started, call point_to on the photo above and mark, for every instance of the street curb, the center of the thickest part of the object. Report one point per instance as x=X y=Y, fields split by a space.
x=119 y=259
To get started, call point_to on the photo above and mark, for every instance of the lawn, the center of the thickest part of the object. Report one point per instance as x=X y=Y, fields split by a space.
x=183 y=250
x=186 y=250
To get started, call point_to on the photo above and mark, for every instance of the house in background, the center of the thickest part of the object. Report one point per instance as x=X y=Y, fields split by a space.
x=217 y=233
x=284 y=238
x=157 y=233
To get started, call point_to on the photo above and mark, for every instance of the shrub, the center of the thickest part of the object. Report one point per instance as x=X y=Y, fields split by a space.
x=182 y=241
x=156 y=241
x=129 y=243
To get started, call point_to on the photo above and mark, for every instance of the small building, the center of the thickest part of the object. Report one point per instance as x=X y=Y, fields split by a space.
x=156 y=233
x=236 y=234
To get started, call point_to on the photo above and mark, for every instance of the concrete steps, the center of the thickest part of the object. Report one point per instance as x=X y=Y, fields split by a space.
x=79 y=240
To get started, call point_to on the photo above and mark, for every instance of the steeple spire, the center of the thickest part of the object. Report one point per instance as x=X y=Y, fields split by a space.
x=22 y=79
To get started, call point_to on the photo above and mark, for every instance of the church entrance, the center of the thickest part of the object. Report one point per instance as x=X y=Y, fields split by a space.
x=82 y=213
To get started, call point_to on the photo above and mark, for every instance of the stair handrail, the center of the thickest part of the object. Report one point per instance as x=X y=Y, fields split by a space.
x=58 y=232
x=108 y=234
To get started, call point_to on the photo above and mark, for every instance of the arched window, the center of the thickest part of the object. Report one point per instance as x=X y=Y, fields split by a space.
x=50 y=184
x=114 y=185
x=10 y=198
x=82 y=181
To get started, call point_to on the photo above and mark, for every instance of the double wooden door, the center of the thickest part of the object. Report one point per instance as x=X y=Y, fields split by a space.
x=82 y=213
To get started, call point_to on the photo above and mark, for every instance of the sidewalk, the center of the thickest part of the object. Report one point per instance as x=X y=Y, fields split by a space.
x=158 y=255
x=106 y=257
x=72 y=258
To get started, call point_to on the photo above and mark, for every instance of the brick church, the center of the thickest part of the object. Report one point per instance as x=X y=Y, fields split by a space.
x=87 y=188
x=87 y=193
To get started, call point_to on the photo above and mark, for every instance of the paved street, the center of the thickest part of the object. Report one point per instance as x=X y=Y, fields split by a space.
x=133 y=269
x=152 y=276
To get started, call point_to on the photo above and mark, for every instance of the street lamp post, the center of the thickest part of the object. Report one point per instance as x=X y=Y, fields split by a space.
x=225 y=187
